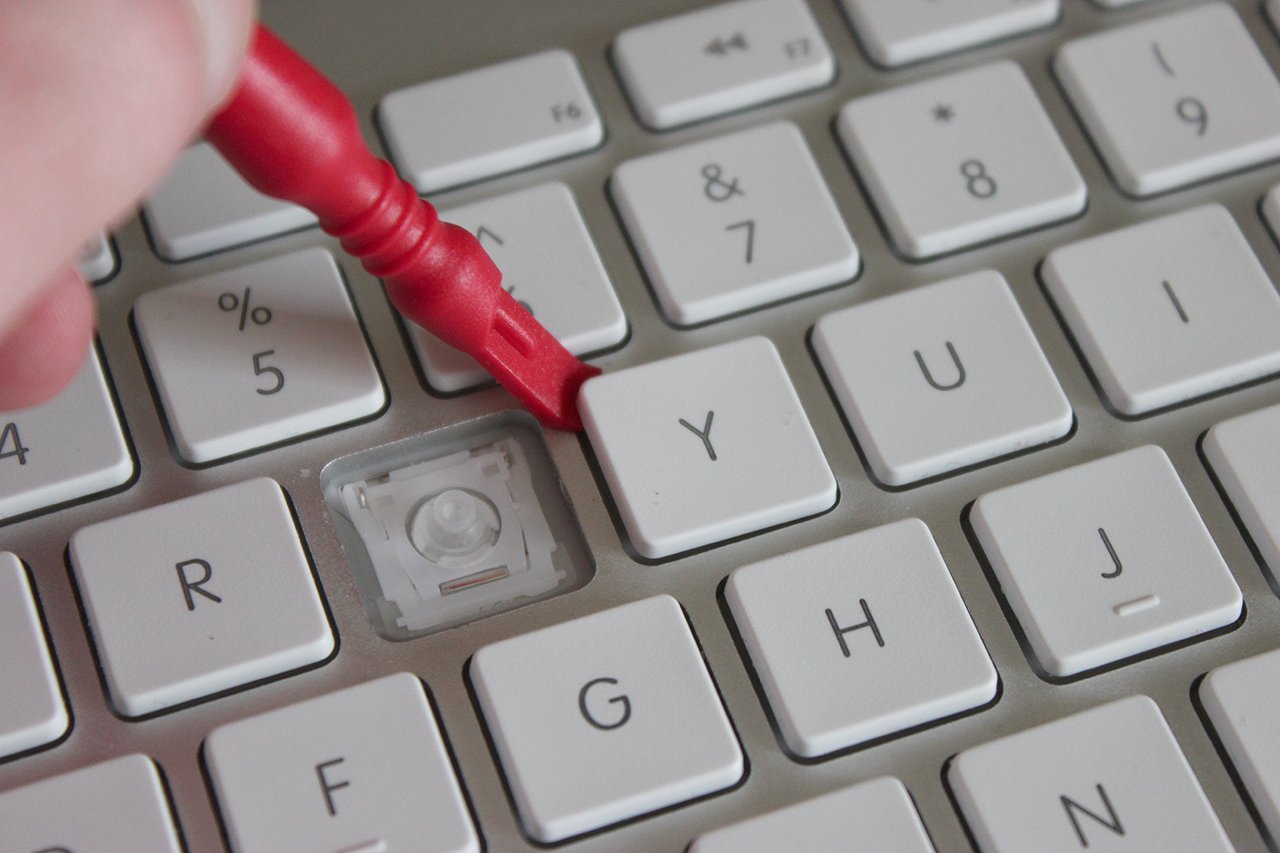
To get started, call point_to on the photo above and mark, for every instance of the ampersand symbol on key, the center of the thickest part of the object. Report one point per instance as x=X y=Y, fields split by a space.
x=717 y=189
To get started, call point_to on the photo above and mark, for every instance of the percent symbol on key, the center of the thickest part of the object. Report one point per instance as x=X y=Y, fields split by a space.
x=260 y=315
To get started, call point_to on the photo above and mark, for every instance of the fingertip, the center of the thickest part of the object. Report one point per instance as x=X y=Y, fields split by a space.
x=47 y=346
x=225 y=28
x=97 y=98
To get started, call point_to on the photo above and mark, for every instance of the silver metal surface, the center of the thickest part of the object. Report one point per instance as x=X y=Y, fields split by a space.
x=372 y=48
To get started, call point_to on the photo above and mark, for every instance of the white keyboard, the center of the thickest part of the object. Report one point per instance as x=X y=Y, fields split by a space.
x=929 y=498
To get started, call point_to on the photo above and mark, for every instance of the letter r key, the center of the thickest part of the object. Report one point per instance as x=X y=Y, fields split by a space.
x=222 y=622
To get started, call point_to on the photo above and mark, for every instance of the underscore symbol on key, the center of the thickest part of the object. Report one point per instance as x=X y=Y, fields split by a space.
x=717 y=189
x=1137 y=605
x=376 y=846
x=259 y=316
x=704 y=433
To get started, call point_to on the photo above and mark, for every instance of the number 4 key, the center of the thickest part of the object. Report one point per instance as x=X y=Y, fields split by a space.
x=68 y=448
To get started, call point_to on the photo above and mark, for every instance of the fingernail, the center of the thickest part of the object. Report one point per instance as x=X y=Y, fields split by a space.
x=224 y=26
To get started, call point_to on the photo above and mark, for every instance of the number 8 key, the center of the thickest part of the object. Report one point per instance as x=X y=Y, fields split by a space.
x=983 y=162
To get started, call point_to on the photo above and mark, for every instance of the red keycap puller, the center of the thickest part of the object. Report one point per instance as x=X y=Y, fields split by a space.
x=292 y=134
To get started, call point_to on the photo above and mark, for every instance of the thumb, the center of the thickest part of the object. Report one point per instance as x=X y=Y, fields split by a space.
x=97 y=97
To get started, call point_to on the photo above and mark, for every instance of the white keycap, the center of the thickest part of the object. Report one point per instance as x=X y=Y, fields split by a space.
x=722 y=58
x=1105 y=560
x=984 y=162
x=1109 y=778
x=701 y=447
x=1242 y=453
x=68 y=448
x=1168 y=310
x=536 y=108
x=118 y=806
x=859 y=638
x=1116 y=4
x=349 y=770
x=733 y=223
x=97 y=262
x=604 y=718
x=257 y=355
x=179 y=602
x=1174 y=100
x=549 y=264
x=895 y=32
x=204 y=206
x=1271 y=206
x=33 y=712
x=874 y=815
x=940 y=377
x=1240 y=699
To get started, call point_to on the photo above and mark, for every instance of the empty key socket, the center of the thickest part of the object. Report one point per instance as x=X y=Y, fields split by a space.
x=444 y=528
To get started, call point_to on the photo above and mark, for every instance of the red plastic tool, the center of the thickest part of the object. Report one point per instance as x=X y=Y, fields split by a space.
x=292 y=134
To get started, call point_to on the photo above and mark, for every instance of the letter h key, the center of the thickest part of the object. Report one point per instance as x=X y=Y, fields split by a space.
x=859 y=638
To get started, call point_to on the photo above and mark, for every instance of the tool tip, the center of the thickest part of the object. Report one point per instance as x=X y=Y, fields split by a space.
x=554 y=401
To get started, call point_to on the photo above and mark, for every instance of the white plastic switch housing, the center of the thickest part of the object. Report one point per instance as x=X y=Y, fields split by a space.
x=454 y=534
x=441 y=530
